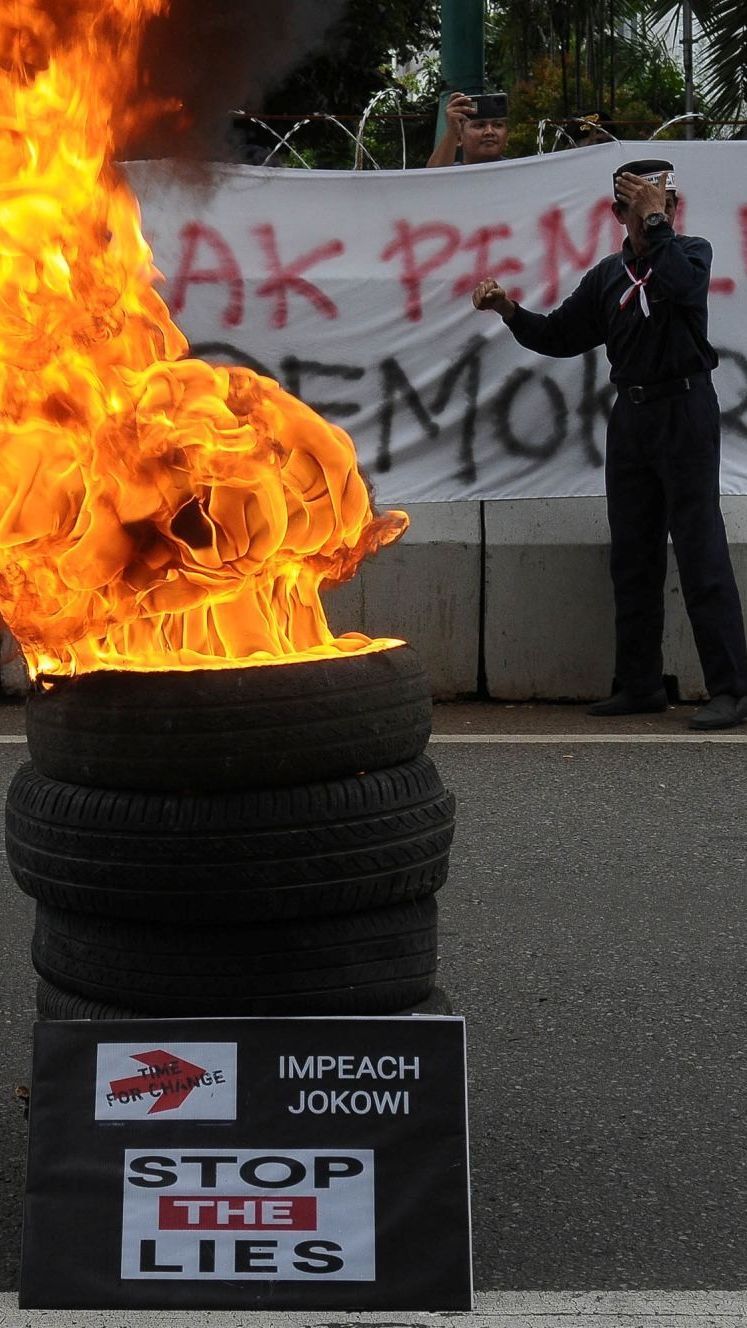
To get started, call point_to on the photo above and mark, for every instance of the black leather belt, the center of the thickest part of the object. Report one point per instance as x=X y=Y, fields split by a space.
x=671 y=387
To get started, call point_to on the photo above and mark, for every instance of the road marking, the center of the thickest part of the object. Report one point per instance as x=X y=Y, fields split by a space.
x=12 y=737
x=493 y=1309
x=564 y=739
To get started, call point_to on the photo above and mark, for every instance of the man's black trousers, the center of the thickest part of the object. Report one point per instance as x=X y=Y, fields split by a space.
x=662 y=475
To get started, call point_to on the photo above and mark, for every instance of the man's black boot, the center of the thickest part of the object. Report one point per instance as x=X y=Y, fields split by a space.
x=630 y=703
x=721 y=712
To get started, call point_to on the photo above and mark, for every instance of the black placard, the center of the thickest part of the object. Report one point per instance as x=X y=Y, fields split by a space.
x=248 y=1163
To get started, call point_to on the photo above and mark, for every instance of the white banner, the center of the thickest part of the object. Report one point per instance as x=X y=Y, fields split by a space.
x=353 y=289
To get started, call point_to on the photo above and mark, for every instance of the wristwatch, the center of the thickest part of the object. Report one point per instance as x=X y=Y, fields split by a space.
x=654 y=219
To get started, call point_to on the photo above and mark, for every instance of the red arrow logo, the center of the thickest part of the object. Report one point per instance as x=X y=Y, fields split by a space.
x=168 y=1075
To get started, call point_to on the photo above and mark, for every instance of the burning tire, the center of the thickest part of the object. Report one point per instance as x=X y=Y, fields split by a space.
x=374 y=962
x=341 y=846
x=205 y=730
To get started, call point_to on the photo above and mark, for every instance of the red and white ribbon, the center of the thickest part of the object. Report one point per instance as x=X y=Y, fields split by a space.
x=639 y=284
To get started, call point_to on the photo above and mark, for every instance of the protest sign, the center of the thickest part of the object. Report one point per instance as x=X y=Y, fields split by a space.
x=284 y=1163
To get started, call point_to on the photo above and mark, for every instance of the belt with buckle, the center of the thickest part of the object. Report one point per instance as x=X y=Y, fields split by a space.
x=671 y=387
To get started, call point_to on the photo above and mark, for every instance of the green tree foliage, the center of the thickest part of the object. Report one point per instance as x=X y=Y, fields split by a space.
x=354 y=64
x=723 y=54
x=580 y=57
x=553 y=57
x=540 y=98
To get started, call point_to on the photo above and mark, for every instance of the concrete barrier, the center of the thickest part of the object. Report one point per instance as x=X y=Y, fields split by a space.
x=548 y=612
x=546 y=623
x=427 y=590
x=549 y=618
x=14 y=677
x=510 y=599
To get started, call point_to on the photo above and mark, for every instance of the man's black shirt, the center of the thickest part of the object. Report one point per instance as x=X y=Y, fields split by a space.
x=671 y=343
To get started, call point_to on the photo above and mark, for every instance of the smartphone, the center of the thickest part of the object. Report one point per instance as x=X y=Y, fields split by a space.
x=491 y=106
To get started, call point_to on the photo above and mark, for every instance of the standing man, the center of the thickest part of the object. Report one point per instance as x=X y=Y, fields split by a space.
x=648 y=306
x=477 y=125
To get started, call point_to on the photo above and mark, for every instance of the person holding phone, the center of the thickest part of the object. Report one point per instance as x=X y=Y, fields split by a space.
x=476 y=130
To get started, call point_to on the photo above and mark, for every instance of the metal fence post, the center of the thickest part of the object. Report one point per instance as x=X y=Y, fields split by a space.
x=462 y=51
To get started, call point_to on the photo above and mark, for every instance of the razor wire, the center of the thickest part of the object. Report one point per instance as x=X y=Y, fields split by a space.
x=360 y=149
x=379 y=96
x=562 y=138
x=679 y=119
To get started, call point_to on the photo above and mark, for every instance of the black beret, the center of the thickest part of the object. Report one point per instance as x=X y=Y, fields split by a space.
x=650 y=167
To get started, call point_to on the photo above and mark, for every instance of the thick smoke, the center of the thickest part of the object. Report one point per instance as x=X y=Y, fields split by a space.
x=215 y=56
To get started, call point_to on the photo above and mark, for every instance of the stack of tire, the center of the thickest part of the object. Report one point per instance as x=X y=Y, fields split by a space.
x=262 y=841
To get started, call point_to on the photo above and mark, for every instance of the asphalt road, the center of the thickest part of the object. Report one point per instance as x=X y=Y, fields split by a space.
x=593 y=934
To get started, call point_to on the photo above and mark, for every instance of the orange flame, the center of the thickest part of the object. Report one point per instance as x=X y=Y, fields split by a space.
x=156 y=512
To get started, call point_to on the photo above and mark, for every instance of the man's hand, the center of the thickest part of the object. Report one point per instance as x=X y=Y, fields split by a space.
x=641 y=196
x=458 y=109
x=489 y=295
